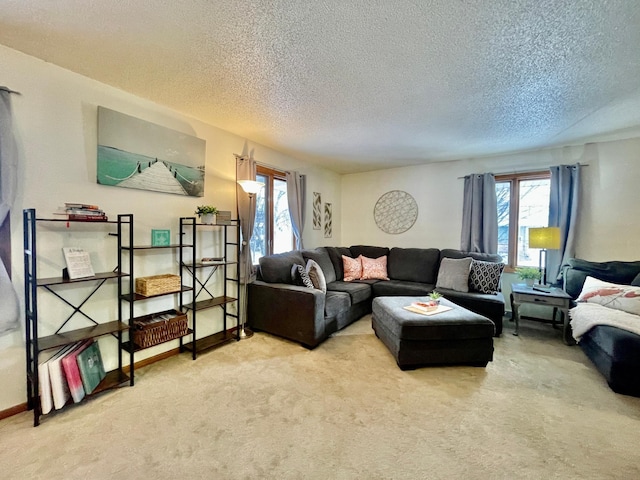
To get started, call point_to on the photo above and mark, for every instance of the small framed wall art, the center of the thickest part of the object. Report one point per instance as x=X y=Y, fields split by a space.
x=160 y=238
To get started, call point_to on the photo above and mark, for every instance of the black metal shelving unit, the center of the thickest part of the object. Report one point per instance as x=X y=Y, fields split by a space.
x=36 y=344
x=126 y=291
x=190 y=267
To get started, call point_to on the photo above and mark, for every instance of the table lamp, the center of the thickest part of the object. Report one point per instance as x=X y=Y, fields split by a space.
x=544 y=238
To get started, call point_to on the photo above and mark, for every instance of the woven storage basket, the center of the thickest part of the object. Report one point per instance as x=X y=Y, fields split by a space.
x=157 y=284
x=156 y=328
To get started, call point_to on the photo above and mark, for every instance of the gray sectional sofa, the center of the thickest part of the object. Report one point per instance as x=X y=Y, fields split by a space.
x=308 y=315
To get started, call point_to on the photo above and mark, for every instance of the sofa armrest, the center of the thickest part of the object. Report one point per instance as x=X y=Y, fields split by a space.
x=289 y=311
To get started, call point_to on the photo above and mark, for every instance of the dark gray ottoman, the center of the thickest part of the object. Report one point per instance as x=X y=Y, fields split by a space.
x=457 y=336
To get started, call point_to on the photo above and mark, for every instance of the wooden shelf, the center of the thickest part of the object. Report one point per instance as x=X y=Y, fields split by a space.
x=210 y=303
x=152 y=247
x=113 y=379
x=60 y=339
x=211 y=341
x=137 y=297
x=43 y=282
x=128 y=345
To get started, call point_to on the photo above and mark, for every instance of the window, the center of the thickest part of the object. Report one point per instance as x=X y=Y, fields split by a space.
x=523 y=202
x=272 y=232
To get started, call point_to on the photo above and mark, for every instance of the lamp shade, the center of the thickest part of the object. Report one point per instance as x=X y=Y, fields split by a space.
x=250 y=186
x=545 y=237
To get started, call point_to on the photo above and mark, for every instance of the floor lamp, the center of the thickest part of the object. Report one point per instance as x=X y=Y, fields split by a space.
x=544 y=238
x=251 y=188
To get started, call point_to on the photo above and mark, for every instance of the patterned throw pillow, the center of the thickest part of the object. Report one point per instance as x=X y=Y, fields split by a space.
x=485 y=276
x=352 y=268
x=316 y=275
x=300 y=277
x=374 y=268
x=454 y=274
x=612 y=295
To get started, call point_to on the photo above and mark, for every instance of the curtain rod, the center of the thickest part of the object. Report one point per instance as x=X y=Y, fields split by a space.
x=515 y=172
x=8 y=90
x=241 y=157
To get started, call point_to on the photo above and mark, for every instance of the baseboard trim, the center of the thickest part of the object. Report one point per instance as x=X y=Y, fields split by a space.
x=9 y=412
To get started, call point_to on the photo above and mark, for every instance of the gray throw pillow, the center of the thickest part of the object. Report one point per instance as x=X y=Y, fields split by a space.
x=454 y=274
x=636 y=281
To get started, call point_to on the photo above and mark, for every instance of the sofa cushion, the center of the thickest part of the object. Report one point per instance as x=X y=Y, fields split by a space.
x=454 y=274
x=352 y=268
x=321 y=257
x=368 y=251
x=277 y=268
x=335 y=303
x=490 y=305
x=374 y=268
x=485 y=257
x=335 y=254
x=485 y=276
x=614 y=271
x=358 y=291
x=394 y=288
x=413 y=264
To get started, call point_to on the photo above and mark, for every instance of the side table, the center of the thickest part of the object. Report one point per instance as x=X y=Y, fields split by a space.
x=551 y=296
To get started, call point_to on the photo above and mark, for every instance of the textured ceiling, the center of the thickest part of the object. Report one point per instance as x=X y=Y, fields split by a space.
x=361 y=84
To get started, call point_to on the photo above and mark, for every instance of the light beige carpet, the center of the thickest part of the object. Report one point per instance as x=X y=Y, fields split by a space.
x=268 y=408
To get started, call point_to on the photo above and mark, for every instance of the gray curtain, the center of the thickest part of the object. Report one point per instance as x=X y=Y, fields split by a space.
x=296 y=187
x=10 y=311
x=479 y=214
x=563 y=213
x=245 y=170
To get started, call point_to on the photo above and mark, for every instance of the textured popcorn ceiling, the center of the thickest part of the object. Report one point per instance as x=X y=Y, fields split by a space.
x=358 y=84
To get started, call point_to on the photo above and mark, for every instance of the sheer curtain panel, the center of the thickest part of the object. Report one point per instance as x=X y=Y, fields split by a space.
x=296 y=187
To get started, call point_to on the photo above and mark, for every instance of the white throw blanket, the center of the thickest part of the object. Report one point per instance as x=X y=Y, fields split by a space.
x=588 y=315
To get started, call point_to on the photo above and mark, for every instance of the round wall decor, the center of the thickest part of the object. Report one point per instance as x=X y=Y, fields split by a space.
x=395 y=212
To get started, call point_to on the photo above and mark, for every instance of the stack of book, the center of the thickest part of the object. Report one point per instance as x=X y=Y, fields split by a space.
x=83 y=211
x=71 y=372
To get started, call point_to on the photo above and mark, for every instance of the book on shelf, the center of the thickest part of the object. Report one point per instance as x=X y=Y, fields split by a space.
x=91 y=368
x=82 y=211
x=72 y=372
x=85 y=206
x=44 y=380
x=59 y=386
x=78 y=263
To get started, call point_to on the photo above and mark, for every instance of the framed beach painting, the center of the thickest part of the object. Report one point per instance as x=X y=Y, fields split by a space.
x=133 y=153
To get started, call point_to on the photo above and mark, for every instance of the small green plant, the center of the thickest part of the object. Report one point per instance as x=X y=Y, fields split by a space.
x=435 y=295
x=528 y=273
x=205 y=210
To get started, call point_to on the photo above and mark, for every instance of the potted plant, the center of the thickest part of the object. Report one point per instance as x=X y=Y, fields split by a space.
x=207 y=213
x=435 y=297
x=528 y=274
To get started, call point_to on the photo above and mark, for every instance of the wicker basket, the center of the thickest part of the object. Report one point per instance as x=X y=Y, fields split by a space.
x=157 y=284
x=156 y=328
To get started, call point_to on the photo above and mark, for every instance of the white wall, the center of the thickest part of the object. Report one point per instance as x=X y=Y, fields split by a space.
x=608 y=228
x=55 y=122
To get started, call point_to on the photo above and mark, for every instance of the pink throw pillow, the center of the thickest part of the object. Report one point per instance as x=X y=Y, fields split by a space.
x=374 y=268
x=352 y=268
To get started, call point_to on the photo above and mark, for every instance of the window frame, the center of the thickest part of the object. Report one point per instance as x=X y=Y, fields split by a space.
x=272 y=174
x=515 y=179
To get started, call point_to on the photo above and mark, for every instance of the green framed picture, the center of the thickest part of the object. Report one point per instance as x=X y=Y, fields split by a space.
x=160 y=238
